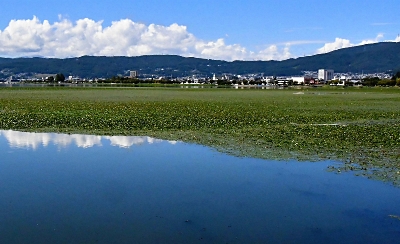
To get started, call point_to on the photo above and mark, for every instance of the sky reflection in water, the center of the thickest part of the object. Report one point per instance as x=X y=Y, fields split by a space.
x=34 y=140
x=98 y=189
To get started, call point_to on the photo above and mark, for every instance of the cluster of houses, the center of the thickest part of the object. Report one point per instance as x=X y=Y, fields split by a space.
x=322 y=76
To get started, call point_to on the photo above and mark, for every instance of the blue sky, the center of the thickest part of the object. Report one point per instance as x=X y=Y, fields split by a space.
x=229 y=30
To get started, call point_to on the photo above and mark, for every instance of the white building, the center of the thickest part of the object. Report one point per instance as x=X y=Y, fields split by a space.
x=299 y=80
x=325 y=74
x=133 y=74
x=303 y=80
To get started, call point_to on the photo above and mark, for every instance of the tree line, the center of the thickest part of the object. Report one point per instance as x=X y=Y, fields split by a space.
x=376 y=81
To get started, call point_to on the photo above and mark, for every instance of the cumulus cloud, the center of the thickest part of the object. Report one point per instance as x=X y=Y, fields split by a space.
x=344 y=43
x=274 y=53
x=64 y=38
x=219 y=49
x=337 y=44
x=378 y=38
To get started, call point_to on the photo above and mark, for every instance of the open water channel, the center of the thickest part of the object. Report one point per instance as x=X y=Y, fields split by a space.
x=58 y=188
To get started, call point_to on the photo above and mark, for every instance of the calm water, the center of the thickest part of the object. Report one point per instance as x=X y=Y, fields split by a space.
x=58 y=188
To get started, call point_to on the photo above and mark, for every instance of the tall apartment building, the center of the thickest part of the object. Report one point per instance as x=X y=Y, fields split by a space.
x=133 y=74
x=325 y=74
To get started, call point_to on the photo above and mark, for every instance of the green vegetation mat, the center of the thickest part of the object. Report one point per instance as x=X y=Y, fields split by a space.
x=359 y=127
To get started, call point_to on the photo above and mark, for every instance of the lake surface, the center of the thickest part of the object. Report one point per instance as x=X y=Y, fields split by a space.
x=58 y=188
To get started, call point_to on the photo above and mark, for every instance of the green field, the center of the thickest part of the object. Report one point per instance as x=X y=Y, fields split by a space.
x=360 y=127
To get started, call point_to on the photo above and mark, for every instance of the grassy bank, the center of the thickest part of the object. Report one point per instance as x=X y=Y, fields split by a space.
x=360 y=127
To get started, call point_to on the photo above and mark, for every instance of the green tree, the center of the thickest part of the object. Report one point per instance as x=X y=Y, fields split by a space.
x=386 y=82
x=59 y=78
x=50 y=79
x=370 y=81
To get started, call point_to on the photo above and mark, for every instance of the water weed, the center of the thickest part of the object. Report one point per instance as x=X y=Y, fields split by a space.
x=359 y=127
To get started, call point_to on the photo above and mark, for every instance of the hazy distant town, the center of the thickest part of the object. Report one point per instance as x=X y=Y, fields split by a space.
x=320 y=77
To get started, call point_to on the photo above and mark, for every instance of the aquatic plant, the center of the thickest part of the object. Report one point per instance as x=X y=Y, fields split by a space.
x=359 y=127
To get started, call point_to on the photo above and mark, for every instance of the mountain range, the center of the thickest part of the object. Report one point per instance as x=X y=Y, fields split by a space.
x=370 y=58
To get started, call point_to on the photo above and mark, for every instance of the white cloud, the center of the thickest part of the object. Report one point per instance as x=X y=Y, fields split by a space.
x=344 y=43
x=337 y=44
x=64 y=38
x=370 y=41
x=219 y=50
x=274 y=53
x=61 y=39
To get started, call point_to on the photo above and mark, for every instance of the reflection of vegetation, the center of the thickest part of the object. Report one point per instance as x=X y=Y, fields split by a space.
x=357 y=126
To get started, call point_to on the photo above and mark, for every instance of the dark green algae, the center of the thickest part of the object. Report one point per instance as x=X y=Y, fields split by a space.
x=358 y=127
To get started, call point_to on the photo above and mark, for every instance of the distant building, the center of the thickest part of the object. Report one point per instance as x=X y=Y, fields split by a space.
x=325 y=74
x=74 y=79
x=344 y=78
x=302 y=80
x=133 y=74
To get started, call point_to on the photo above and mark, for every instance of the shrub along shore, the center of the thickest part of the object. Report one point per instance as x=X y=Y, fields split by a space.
x=359 y=127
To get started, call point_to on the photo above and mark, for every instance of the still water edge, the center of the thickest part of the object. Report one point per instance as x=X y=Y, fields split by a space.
x=58 y=188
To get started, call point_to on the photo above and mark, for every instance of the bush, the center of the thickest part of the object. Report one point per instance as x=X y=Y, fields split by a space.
x=386 y=83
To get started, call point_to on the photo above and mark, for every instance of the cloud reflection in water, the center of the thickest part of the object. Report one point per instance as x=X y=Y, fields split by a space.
x=32 y=140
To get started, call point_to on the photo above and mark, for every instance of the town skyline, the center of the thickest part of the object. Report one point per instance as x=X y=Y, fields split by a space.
x=251 y=30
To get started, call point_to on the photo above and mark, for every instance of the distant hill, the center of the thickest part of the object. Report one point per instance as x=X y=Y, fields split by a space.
x=371 y=58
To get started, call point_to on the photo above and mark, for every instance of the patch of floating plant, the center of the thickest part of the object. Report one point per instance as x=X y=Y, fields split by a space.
x=394 y=216
x=331 y=124
x=361 y=123
x=373 y=165
x=269 y=125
